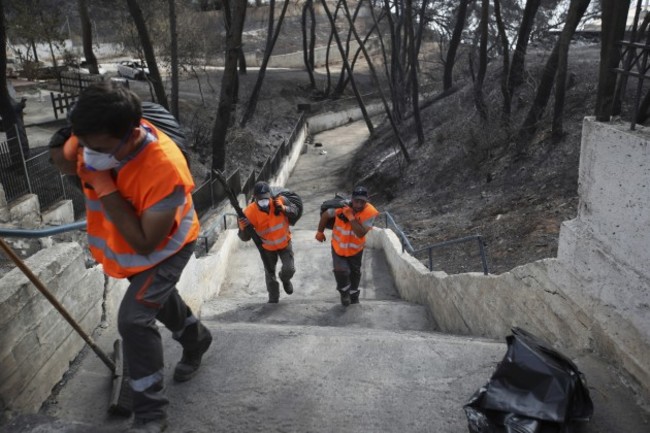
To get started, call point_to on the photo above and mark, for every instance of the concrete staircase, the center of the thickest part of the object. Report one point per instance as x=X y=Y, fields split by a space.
x=307 y=364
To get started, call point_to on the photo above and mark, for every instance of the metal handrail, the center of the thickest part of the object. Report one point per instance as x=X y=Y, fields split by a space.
x=43 y=232
x=406 y=245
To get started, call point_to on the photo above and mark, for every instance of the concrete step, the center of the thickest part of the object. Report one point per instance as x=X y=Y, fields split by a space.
x=34 y=423
x=395 y=315
x=274 y=378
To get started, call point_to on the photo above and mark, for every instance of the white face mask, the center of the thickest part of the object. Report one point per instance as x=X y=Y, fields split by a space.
x=263 y=203
x=99 y=161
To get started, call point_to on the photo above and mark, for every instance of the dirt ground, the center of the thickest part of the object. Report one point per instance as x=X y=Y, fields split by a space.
x=468 y=179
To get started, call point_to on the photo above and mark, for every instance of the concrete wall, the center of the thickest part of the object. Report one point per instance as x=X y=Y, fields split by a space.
x=4 y=207
x=488 y=306
x=329 y=120
x=604 y=251
x=26 y=212
x=59 y=214
x=594 y=296
x=36 y=343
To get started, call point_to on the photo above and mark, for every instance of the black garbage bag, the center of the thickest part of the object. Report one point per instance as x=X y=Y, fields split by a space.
x=535 y=389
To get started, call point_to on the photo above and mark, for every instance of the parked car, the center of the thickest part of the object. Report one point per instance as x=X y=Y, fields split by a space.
x=82 y=67
x=132 y=69
x=12 y=68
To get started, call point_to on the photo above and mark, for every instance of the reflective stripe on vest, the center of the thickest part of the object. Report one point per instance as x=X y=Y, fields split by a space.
x=139 y=262
x=272 y=229
x=344 y=241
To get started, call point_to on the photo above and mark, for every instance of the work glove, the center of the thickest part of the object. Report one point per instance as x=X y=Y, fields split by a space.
x=71 y=149
x=320 y=236
x=348 y=212
x=243 y=223
x=279 y=205
x=101 y=181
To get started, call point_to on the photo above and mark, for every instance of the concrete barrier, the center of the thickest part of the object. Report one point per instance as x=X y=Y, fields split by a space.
x=36 y=343
x=488 y=306
x=324 y=121
x=26 y=212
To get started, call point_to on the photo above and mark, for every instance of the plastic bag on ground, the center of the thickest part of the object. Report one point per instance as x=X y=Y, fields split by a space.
x=535 y=389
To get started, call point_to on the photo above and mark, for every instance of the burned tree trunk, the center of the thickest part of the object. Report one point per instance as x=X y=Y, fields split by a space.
x=149 y=55
x=454 y=43
x=87 y=37
x=229 y=82
x=576 y=11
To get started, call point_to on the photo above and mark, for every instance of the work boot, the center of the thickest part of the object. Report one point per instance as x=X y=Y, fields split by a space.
x=191 y=360
x=354 y=298
x=345 y=298
x=155 y=425
x=287 y=286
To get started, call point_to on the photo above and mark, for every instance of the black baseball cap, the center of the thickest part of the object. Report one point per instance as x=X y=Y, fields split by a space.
x=262 y=190
x=360 y=193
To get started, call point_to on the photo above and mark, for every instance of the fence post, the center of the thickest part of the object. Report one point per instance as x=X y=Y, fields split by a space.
x=62 y=179
x=22 y=157
x=211 y=189
x=56 y=115
x=483 y=258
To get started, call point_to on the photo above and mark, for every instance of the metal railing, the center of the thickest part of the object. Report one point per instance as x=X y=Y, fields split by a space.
x=634 y=63
x=35 y=175
x=42 y=232
x=75 y=82
x=407 y=247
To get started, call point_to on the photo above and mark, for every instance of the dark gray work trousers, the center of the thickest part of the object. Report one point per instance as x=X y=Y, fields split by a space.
x=286 y=272
x=151 y=296
x=347 y=272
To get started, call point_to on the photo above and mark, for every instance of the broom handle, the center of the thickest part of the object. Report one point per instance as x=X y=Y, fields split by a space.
x=41 y=287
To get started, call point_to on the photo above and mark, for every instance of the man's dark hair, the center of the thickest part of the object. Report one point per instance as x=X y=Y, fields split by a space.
x=106 y=108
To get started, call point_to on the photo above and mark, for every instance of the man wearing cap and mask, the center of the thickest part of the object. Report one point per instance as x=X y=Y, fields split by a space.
x=141 y=226
x=351 y=223
x=269 y=217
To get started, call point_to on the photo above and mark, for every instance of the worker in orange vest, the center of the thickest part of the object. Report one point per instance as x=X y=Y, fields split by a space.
x=269 y=216
x=141 y=226
x=351 y=224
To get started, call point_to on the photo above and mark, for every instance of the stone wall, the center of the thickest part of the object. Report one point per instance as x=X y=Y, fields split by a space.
x=604 y=251
x=36 y=343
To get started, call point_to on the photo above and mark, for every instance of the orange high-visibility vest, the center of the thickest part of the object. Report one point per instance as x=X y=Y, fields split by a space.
x=272 y=229
x=344 y=241
x=154 y=173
